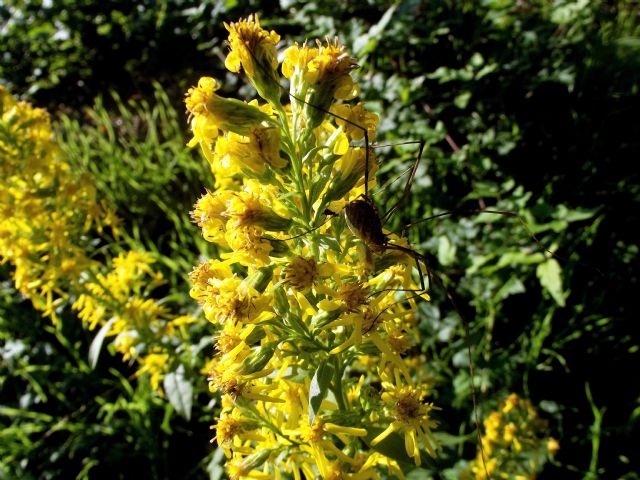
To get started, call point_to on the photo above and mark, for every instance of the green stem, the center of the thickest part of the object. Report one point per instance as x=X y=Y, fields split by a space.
x=596 y=432
x=296 y=163
x=337 y=383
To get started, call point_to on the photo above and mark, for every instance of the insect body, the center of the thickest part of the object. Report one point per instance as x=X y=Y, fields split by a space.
x=364 y=222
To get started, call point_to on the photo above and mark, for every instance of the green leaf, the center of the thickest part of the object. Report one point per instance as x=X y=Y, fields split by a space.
x=179 y=391
x=446 y=251
x=319 y=388
x=96 y=344
x=550 y=275
x=462 y=100
x=215 y=467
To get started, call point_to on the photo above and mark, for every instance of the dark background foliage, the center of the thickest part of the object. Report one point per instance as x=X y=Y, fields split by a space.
x=525 y=106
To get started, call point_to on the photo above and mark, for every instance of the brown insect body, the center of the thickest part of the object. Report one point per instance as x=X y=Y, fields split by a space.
x=364 y=222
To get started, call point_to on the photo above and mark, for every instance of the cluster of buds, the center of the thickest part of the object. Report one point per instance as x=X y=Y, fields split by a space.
x=513 y=445
x=316 y=339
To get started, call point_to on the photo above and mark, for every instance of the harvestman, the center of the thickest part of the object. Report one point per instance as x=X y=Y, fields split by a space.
x=363 y=218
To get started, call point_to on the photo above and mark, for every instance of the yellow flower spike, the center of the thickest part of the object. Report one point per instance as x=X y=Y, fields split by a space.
x=254 y=50
x=315 y=289
x=513 y=442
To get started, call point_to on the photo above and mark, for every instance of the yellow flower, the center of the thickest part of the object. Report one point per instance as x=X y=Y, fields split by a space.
x=510 y=430
x=209 y=269
x=230 y=300
x=300 y=273
x=357 y=115
x=410 y=415
x=552 y=446
x=510 y=403
x=249 y=246
x=296 y=59
x=156 y=365
x=245 y=210
x=251 y=153
x=254 y=49
x=318 y=76
x=208 y=214
x=210 y=112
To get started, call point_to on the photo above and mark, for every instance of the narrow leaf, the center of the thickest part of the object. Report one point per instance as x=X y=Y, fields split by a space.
x=96 y=344
x=318 y=389
x=179 y=391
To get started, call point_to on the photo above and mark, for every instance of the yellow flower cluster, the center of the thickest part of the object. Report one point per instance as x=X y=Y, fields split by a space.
x=46 y=209
x=513 y=444
x=316 y=329
x=49 y=218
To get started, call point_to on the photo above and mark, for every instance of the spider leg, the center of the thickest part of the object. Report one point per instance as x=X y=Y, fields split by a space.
x=407 y=187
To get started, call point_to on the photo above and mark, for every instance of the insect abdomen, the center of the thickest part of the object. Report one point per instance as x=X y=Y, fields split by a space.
x=363 y=220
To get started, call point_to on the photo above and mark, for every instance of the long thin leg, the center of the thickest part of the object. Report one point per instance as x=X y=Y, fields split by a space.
x=474 y=400
x=407 y=187
x=382 y=188
x=418 y=257
x=505 y=213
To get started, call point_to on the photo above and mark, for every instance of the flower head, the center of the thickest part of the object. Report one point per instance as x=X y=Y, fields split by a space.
x=254 y=49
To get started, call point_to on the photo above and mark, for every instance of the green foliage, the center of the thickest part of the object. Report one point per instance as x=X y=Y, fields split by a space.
x=65 y=51
x=59 y=418
x=527 y=107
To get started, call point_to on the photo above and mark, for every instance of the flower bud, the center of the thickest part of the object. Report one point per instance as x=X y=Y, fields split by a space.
x=227 y=114
x=280 y=301
x=260 y=279
x=258 y=359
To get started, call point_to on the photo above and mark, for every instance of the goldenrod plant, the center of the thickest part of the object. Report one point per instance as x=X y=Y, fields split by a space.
x=316 y=328
x=60 y=240
x=47 y=210
x=514 y=443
